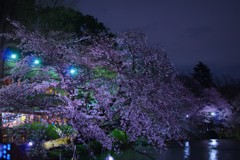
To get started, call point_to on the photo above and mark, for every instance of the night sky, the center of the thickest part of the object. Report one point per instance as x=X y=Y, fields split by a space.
x=188 y=30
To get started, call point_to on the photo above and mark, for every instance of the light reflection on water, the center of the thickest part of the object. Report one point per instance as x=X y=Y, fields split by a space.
x=213 y=152
x=213 y=149
x=186 y=150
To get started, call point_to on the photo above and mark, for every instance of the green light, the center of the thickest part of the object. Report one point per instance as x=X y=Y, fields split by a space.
x=13 y=56
x=72 y=71
x=36 y=62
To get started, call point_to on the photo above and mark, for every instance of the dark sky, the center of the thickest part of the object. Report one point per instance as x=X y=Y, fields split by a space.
x=188 y=30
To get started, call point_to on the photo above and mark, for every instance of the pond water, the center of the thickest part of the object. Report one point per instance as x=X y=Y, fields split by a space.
x=212 y=149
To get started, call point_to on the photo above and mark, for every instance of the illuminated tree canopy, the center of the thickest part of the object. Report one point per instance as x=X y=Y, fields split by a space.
x=98 y=84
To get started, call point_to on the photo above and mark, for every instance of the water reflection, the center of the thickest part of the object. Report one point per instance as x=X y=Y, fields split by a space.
x=213 y=152
x=186 y=150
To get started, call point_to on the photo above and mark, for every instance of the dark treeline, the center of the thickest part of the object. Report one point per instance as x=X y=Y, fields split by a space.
x=201 y=77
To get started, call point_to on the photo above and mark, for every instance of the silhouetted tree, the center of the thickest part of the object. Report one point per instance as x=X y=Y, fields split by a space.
x=193 y=85
x=68 y=20
x=202 y=74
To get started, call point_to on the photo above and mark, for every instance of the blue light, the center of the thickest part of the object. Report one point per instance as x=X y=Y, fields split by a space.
x=9 y=147
x=11 y=55
x=4 y=146
x=8 y=156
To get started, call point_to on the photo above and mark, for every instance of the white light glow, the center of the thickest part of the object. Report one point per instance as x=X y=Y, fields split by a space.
x=36 y=61
x=213 y=152
x=186 y=150
x=213 y=113
x=13 y=56
x=30 y=144
x=72 y=71
x=109 y=157
x=187 y=144
x=213 y=143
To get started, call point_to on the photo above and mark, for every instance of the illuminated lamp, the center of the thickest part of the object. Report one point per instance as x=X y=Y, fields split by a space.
x=72 y=71
x=36 y=62
x=213 y=113
x=30 y=144
x=13 y=56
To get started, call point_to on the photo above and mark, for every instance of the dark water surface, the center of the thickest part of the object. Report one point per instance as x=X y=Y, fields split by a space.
x=212 y=149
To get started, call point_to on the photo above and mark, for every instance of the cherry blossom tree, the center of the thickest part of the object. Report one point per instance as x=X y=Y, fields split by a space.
x=98 y=84
x=215 y=107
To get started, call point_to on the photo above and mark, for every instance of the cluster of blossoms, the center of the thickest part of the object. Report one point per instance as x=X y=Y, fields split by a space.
x=120 y=83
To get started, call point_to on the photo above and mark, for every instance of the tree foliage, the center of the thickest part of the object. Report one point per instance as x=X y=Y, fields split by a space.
x=68 y=20
x=45 y=16
x=120 y=83
x=202 y=74
x=34 y=16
